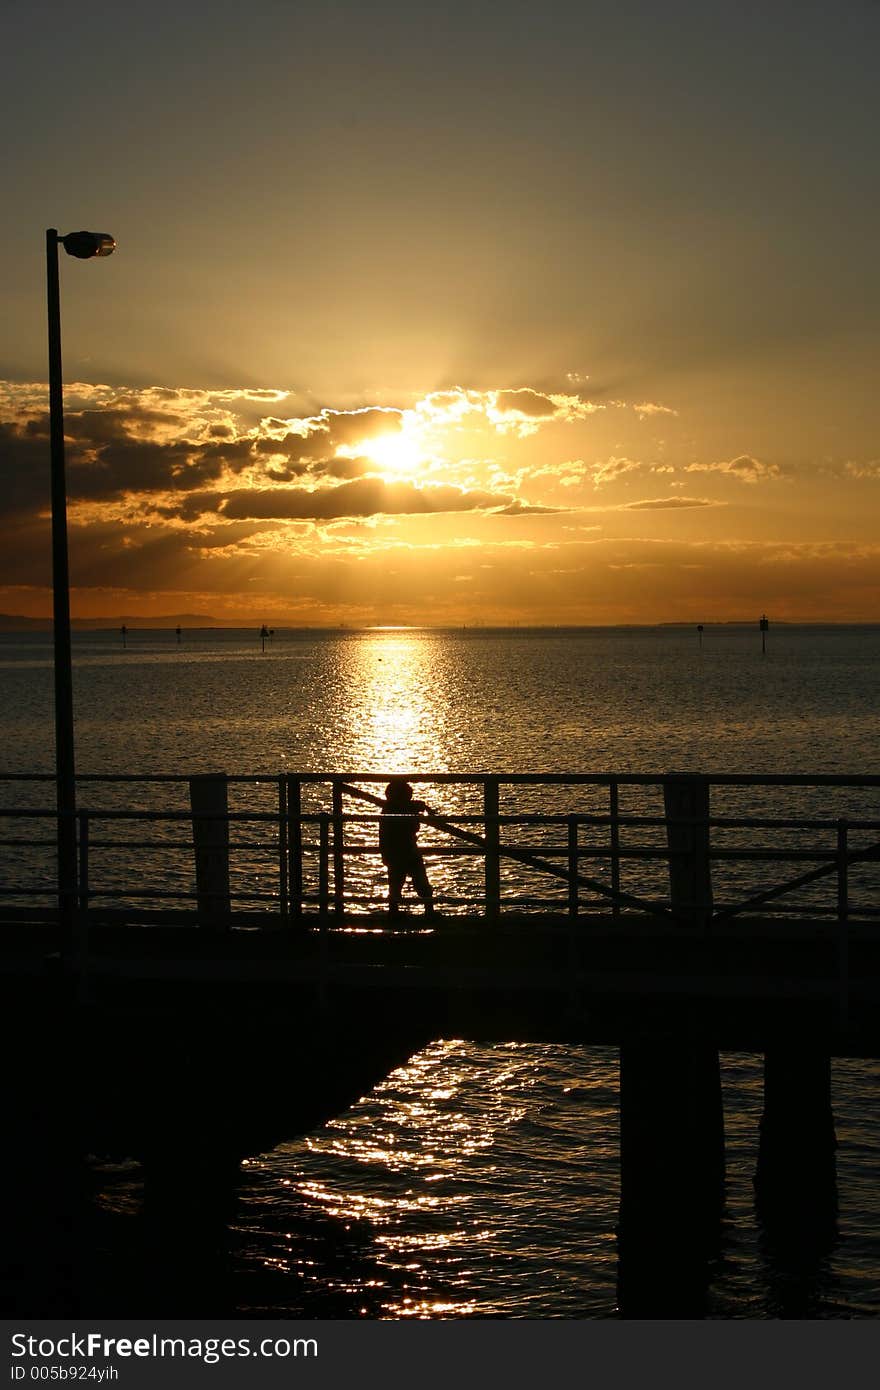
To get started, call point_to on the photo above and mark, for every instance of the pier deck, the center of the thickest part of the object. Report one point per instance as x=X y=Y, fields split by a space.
x=530 y=978
x=213 y=981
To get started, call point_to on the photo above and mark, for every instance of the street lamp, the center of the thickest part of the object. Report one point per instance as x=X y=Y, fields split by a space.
x=82 y=245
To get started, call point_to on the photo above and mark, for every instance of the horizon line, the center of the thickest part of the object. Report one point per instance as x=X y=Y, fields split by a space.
x=205 y=623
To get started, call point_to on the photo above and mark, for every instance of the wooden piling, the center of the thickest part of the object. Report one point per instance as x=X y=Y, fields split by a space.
x=686 y=800
x=209 y=802
x=796 y=1167
x=671 y=1112
x=671 y=1172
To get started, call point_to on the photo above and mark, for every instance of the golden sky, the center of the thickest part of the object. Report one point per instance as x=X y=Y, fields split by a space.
x=484 y=316
x=499 y=506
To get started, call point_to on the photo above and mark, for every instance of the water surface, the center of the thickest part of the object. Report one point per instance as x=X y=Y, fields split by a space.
x=481 y=1181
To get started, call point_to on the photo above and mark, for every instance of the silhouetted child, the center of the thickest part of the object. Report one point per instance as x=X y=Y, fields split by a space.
x=398 y=836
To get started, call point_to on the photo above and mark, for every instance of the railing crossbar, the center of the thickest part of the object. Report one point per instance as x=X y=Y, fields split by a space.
x=336 y=846
x=855 y=857
x=532 y=861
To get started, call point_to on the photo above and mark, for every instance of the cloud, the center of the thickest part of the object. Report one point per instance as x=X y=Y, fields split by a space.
x=360 y=497
x=105 y=425
x=523 y=401
x=352 y=426
x=612 y=469
x=290 y=446
x=647 y=408
x=125 y=440
x=163 y=481
x=522 y=410
x=869 y=469
x=663 y=504
x=343 y=467
x=519 y=508
x=518 y=410
x=135 y=466
x=24 y=468
x=745 y=468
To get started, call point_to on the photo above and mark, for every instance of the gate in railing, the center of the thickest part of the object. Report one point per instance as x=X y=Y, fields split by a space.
x=304 y=847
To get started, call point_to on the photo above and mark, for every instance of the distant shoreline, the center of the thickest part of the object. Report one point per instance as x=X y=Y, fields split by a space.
x=191 y=623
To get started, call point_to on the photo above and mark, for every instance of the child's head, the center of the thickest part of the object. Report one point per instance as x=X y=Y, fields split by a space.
x=398 y=791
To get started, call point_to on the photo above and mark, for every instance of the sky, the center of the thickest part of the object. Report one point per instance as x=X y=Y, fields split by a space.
x=483 y=314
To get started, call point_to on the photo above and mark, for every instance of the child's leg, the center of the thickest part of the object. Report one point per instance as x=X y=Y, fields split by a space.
x=421 y=883
x=396 y=877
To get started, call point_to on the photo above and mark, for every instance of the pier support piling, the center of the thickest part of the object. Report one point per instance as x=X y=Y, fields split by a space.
x=671 y=1112
x=209 y=801
x=796 y=1170
x=686 y=802
x=671 y=1172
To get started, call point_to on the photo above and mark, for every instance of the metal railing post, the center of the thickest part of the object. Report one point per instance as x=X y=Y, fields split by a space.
x=323 y=867
x=572 y=866
x=338 y=852
x=294 y=846
x=843 y=923
x=614 y=811
x=492 y=838
x=283 y=905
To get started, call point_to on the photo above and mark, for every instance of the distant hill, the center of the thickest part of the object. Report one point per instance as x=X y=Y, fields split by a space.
x=12 y=622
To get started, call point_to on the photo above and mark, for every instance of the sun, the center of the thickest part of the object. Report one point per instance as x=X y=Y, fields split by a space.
x=398 y=454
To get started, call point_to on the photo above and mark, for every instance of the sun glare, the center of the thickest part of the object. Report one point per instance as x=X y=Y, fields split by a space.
x=397 y=454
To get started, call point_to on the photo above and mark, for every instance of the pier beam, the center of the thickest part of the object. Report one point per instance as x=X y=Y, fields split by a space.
x=209 y=801
x=671 y=1173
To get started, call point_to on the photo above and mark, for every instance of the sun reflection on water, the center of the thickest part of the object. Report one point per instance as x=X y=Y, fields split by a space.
x=423 y=1184
x=397 y=711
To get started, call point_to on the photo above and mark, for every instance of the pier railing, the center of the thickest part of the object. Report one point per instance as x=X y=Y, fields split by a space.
x=302 y=849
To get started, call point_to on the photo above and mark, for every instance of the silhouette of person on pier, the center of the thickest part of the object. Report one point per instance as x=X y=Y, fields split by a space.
x=399 y=824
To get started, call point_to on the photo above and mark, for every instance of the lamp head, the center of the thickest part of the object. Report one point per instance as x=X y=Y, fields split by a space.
x=85 y=245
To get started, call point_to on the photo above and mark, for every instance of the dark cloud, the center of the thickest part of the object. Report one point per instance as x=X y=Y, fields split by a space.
x=292 y=446
x=285 y=473
x=340 y=468
x=235 y=453
x=24 y=469
x=107 y=471
x=106 y=425
x=360 y=497
x=343 y=468
x=137 y=466
x=191 y=508
x=351 y=426
x=220 y=537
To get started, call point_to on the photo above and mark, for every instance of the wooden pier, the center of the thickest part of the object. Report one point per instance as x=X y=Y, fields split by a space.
x=143 y=1011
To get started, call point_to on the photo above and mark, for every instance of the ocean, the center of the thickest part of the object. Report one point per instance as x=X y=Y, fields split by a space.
x=476 y=1181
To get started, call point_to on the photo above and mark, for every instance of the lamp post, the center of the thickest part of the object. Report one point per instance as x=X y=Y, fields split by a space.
x=82 y=245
